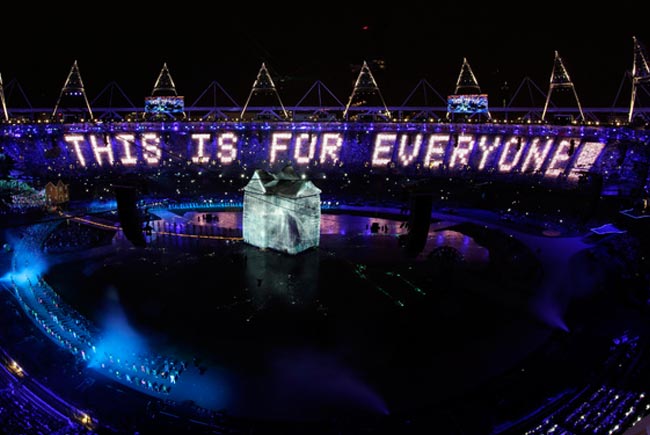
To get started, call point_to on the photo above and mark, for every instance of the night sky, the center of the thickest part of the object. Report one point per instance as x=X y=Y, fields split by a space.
x=301 y=46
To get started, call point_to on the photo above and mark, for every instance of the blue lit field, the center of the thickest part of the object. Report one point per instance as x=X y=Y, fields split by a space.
x=332 y=331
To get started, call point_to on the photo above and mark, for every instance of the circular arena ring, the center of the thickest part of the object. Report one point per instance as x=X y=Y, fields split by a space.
x=357 y=328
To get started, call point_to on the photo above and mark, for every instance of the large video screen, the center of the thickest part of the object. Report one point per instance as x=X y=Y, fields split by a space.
x=473 y=103
x=164 y=105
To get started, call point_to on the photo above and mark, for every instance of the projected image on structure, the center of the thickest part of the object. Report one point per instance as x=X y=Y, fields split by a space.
x=281 y=211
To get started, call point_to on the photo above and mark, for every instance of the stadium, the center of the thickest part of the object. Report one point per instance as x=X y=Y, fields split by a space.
x=476 y=267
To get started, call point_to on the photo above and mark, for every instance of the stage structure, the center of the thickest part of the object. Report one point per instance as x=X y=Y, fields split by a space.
x=467 y=99
x=72 y=99
x=164 y=102
x=560 y=81
x=263 y=86
x=420 y=97
x=281 y=211
x=640 y=75
x=109 y=98
x=364 y=89
x=541 y=143
x=5 y=114
x=317 y=95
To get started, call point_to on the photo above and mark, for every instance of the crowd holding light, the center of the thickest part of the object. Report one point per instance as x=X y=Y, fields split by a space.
x=557 y=151
x=601 y=409
x=35 y=408
x=605 y=410
x=225 y=153
x=505 y=153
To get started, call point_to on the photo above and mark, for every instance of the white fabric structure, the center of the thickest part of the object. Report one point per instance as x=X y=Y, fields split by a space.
x=281 y=211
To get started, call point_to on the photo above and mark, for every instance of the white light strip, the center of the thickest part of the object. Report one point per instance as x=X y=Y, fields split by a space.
x=461 y=151
x=297 y=151
x=588 y=154
x=279 y=142
x=404 y=158
x=535 y=156
x=75 y=140
x=487 y=150
x=227 y=144
x=436 y=147
x=127 y=140
x=98 y=150
x=331 y=147
x=517 y=143
x=151 y=146
x=383 y=149
x=200 y=156
x=558 y=162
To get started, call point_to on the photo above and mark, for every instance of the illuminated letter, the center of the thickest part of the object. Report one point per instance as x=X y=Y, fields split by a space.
x=227 y=150
x=330 y=146
x=98 y=150
x=297 y=156
x=75 y=140
x=588 y=155
x=279 y=142
x=535 y=157
x=437 y=143
x=517 y=142
x=127 y=140
x=487 y=150
x=384 y=143
x=200 y=156
x=558 y=162
x=404 y=158
x=462 y=150
x=152 y=151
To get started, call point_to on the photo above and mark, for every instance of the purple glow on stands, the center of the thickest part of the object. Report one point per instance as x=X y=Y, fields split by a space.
x=233 y=146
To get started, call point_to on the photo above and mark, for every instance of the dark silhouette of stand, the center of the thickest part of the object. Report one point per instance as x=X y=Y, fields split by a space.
x=128 y=214
x=419 y=221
